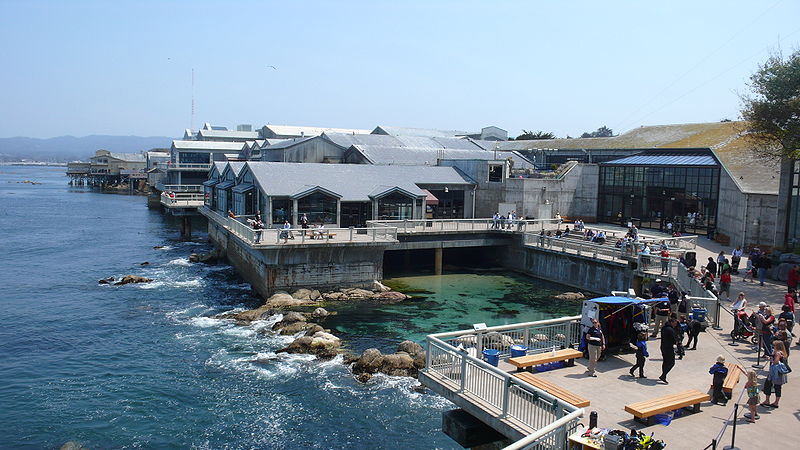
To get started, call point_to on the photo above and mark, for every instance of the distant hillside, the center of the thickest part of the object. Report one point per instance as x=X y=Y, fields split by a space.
x=70 y=148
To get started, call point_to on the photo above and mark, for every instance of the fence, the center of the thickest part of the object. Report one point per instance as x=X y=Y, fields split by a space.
x=310 y=235
x=182 y=199
x=453 y=357
x=437 y=225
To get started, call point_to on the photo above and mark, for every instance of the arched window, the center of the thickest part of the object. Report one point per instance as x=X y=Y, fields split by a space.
x=318 y=207
x=395 y=206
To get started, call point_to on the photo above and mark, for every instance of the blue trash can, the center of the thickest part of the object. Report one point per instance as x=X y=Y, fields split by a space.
x=699 y=314
x=491 y=356
x=518 y=350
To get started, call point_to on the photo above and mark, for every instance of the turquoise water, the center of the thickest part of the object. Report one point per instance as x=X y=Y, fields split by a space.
x=148 y=366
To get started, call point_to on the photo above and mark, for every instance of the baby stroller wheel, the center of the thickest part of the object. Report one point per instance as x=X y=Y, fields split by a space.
x=734 y=335
x=754 y=340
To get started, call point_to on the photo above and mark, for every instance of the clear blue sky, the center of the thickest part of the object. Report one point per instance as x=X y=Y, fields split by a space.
x=124 y=68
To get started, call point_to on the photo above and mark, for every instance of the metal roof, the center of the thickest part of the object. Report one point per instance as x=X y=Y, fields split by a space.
x=382 y=140
x=353 y=182
x=228 y=134
x=208 y=145
x=291 y=130
x=425 y=132
x=426 y=156
x=664 y=160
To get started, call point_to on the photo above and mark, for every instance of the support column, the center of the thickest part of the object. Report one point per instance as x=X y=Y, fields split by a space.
x=437 y=260
x=186 y=227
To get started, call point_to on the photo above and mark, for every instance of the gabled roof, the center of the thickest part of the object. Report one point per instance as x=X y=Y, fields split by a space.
x=228 y=134
x=129 y=157
x=208 y=126
x=348 y=140
x=219 y=146
x=291 y=130
x=424 y=132
x=664 y=160
x=416 y=156
x=353 y=182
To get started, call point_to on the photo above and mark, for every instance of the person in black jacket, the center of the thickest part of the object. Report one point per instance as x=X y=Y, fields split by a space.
x=712 y=266
x=669 y=338
x=720 y=372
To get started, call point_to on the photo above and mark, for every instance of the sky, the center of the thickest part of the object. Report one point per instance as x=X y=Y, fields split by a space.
x=125 y=68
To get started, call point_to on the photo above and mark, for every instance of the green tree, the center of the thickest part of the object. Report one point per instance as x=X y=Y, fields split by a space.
x=603 y=131
x=533 y=135
x=772 y=108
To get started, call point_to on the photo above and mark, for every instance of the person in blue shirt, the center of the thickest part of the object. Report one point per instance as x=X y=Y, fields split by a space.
x=720 y=372
x=641 y=355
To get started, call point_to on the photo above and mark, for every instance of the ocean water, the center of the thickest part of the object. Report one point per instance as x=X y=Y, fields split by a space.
x=147 y=366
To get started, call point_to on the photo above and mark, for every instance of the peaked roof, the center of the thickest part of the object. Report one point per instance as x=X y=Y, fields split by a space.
x=291 y=130
x=353 y=182
x=226 y=134
x=208 y=145
x=424 y=132
x=348 y=140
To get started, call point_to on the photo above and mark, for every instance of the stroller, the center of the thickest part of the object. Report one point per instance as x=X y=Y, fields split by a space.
x=742 y=329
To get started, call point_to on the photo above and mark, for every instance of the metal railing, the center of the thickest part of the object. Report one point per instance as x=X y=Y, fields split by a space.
x=453 y=357
x=576 y=246
x=406 y=226
x=182 y=200
x=181 y=187
x=272 y=236
x=188 y=166
x=553 y=436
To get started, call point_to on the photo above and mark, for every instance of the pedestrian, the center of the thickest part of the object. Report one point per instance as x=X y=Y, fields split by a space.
x=765 y=321
x=662 y=312
x=641 y=354
x=711 y=267
x=674 y=299
x=719 y=371
x=764 y=264
x=721 y=258
x=736 y=258
x=304 y=223
x=752 y=396
x=783 y=335
x=749 y=271
x=725 y=284
x=231 y=214
x=258 y=226
x=664 y=261
x=776 y=377
x=596 y=344
x=286 y=231
x=693 y=329
x=793 y=278
x=740 y=303
x=787 y=315
x=496 y=221
x=668 y=342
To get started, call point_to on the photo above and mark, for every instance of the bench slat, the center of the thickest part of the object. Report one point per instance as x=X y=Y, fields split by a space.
x=544 y=358
x=555 y=390
x=666 y=403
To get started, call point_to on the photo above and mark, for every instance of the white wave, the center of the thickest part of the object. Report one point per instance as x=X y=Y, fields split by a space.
x=197 y=282
x=264 y=357
x=239 y=331
x=180 y=262
x=150 y=285
x=195 y=309
x=206 y=322
x=259 y=325
x=334 y=363
x=165 y=247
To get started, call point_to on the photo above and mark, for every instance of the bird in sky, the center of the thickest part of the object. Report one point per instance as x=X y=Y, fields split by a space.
x=273 y=67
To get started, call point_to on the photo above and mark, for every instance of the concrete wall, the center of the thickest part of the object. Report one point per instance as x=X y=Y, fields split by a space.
x=298 y=266
x=574 y=195
x=782 y=215
x=748 y=219
x=580 y=272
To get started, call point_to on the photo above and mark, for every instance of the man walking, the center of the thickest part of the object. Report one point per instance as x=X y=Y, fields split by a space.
x=669 y=339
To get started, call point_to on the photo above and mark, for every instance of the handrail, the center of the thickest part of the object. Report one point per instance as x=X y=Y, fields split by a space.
x=182 y=187
x=538 y=434
x=507 y=327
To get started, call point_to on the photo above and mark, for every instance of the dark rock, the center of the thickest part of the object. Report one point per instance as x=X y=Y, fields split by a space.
x=144 y=263
x=262 y=312
x=72 y=445
x=127 y=279
x=409 y=347
x=314 y=329
x=108 y=280
x=391 y=296
x=158 y=247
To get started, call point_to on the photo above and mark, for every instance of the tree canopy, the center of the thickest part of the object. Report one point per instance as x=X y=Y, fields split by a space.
x=772 y=108
x=603 y=131
x=532 y=135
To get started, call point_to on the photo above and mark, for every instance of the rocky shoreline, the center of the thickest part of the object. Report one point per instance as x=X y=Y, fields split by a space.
x=313 y=339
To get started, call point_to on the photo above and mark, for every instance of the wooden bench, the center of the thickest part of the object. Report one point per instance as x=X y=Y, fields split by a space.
x=734 y=372
x=645 y=411
x=567 y=354
x=553 y=389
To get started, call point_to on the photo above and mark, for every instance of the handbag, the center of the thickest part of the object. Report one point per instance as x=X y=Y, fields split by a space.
x=782 y=369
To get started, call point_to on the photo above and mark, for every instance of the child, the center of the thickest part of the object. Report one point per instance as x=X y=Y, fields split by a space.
x=720 y=372
x=641 y=354
x=752 y=396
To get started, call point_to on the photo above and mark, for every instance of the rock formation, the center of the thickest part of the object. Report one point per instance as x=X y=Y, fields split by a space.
x=407 y=361
x=127 y=279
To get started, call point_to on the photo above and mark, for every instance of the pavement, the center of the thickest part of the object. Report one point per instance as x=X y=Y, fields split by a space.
x=613 y=388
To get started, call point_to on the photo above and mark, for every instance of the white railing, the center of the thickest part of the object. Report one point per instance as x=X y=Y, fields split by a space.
x=553 y=436
x=577 y=246
x=182 y=187
x=272 y=236
x=182 y=200
x=454 y=357
x=406 y=226
x=188 y=166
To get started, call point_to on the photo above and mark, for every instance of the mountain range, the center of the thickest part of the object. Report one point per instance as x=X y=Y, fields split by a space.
x=71 y=148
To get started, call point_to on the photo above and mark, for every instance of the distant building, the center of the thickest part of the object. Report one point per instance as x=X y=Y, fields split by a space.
x=289 y=131
x=491 y=133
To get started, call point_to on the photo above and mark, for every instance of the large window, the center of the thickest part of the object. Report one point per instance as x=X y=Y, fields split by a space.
x=194 y=157
x=655 y=195
x=318 y=207
x=793 y=227
x=281 y=210
x=395 y=207
x=495 y=173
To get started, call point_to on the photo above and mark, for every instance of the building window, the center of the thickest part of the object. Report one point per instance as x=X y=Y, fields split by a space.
x=495 y=173
x=318 y=207
x=281 y=210
x=395 y=207
x=793 y=227
x=195 y=157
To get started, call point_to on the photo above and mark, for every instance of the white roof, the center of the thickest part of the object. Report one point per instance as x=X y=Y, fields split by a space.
x=208 y=145
x=290 y=130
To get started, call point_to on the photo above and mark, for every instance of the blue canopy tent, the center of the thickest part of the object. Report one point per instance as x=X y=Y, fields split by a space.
x=616 y=316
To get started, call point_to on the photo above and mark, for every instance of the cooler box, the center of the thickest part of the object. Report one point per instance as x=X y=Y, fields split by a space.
x=699 y=314
x=518 y=350
x=491 y=356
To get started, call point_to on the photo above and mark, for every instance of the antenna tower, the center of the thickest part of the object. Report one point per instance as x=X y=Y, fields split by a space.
x=191 y=121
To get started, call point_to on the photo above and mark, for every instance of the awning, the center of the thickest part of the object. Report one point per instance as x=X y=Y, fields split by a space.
x=430 y=199
x=244 y=187
x=225 y=185
x=623 y=300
